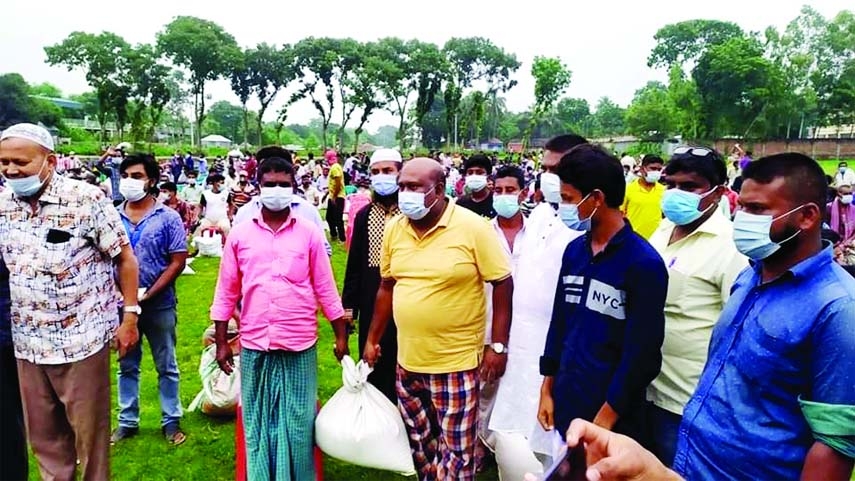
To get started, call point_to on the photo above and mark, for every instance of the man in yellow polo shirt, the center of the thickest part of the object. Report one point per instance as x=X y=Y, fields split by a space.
x=641 y=204
x=435 y=260
x=335 y=202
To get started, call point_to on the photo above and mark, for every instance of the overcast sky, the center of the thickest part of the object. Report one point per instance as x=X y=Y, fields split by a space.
x=605 y=43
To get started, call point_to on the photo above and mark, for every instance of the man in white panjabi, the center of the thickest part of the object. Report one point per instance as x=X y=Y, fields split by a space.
x=520 y=444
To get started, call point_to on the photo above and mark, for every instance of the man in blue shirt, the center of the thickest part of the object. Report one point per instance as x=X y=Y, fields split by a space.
x=604 y=340
x=159 y=242
x=13 y=456
x=776 y=399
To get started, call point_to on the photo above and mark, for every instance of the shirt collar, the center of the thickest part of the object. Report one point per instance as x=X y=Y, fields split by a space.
x=806 y=268
x=259 y=221
x=615 y=242
x=52 y=193
x=158 y=206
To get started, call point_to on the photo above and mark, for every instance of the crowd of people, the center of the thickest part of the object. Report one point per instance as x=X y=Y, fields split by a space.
x=685 y=317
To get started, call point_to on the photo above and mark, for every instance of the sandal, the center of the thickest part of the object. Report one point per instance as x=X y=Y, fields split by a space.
x=173 y=434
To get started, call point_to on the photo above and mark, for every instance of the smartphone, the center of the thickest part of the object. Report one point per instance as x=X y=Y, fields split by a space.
x=569 y=466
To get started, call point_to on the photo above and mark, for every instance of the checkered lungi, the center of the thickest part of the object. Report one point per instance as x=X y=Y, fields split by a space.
x=279 y=391
x=440 y=412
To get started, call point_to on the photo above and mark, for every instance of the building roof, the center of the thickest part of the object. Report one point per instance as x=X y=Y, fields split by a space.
x=62 y=103
x=215 y=138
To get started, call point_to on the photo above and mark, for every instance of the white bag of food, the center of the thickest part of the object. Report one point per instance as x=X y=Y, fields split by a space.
x=360 y=426
x=220 y=393
x=209 y=246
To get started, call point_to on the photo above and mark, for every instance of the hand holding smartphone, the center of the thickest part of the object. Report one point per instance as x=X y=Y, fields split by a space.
x=569 y=466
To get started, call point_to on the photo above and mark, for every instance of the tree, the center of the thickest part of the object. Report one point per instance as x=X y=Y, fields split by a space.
x=833 y=80
x=228 y=119
x=317 y=61
x=270 y=70
x=574 y=115
x=46 y=89
x=431 y=68
x=205 y=50
x=607 y=118
x=685 y=101
x=241 y=82
x=736 y=84
x=364 y=86
x=15 y=102
x=396 y=85
x=650 y=114
x=683 y=42
x=551 y=79
x=472 y=60
x=104 y=58
x=150 y=90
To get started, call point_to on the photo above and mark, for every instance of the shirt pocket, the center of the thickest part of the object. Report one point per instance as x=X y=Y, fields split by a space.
x=293 y=266
x=59 y=257
x=762 y=358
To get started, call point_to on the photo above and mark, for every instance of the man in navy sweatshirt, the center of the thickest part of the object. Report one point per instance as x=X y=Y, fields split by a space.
x=604 y=340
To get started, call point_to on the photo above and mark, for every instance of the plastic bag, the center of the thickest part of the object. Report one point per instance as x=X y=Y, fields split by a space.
x=209 y=246
x=220 y=393
x=360 y=426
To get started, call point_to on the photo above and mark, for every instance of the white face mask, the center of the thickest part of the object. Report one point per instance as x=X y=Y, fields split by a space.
x=276 y=199
x=132 y=190
x=550 y=185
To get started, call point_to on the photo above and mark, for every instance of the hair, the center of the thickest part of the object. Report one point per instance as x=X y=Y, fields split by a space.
x=479 y=160
x=710 y=167
x=152 y=169
x=588 y=168
x=311 y=156
x=563 y=143
x=275 y=164
x=193 y=173
x=651 y=159
x=805 y=179
x=511 y=171
x=843 y=164
x=213 y=179
x=170 y=186
x=269 y=151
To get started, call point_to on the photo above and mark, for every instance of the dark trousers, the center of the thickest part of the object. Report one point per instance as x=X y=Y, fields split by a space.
x=335 y=218
x=13 y=442
x=664 y=427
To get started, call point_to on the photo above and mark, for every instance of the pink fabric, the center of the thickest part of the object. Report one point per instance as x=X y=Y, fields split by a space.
x=357 y=202
x=331 y=156
x=280 y=279
x=834 y=209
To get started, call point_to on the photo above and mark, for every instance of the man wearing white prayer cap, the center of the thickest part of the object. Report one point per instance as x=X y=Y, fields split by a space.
x=62 y=241
x=362 y=277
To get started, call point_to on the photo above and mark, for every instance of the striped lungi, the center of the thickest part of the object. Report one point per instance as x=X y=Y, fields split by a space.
x=279 y=390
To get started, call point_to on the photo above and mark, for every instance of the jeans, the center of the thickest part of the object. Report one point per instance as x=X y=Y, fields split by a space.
x=335 y=218
x=158 y=327
x=13 y=455
x=664 y=426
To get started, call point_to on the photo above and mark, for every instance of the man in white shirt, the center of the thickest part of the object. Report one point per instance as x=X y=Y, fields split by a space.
x=844 y=175
x=214 y=206
x=514 y=433
x=310 y=193
x=550 y=185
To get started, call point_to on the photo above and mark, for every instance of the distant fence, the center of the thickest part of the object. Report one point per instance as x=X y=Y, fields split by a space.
x=817 y=148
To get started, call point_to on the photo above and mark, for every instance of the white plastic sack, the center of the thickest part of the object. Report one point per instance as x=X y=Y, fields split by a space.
x=220 y=393
x=209 y=246
x=360 y=426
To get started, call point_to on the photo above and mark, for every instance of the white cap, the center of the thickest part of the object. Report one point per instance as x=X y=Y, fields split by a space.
x=31 y=132
x=385 y=155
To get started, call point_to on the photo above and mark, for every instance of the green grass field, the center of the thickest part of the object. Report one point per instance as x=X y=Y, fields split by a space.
x=208 y=453
x=830 y=166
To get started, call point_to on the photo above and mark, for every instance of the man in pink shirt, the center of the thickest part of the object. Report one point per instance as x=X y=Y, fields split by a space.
x=277 y=266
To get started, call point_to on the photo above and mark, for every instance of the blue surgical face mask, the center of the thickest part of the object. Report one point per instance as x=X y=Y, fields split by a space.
x=506 y=205
x=412 y=204
x=384 y=184
x=476 y=183
x=681 y=207
x=28 y=186
x=569 y=214
x=751 y=234
x=550 y=185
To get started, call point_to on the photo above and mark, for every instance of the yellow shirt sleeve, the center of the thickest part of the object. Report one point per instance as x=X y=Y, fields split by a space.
x=386 y=251
x=626 y=195
x=490 y=257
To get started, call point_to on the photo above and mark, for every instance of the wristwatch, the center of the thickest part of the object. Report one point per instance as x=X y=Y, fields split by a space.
x=133 y=310
x=499 y=348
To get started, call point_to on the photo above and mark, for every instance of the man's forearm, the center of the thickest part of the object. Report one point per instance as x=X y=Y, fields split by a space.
x=339 y=327
x=221 y=331
x=128 y=277
x=173 y=270
x=382 y=313
x=503 y=292
x=606 y=417
x=823 y=462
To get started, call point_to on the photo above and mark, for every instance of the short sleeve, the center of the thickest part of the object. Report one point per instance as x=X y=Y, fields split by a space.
x=386 y=251
x=490 y=257
x=176 y=236
x=832 y=360
x=108 y=232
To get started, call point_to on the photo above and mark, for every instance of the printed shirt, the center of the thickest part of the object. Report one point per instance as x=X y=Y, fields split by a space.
x=158 y=235
x=643 y=207
x=239 y=196
x=438 y=301
x=607 y=326
x=64 y=298
x=701 y=269
x=775 y=342
x=280 y=278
